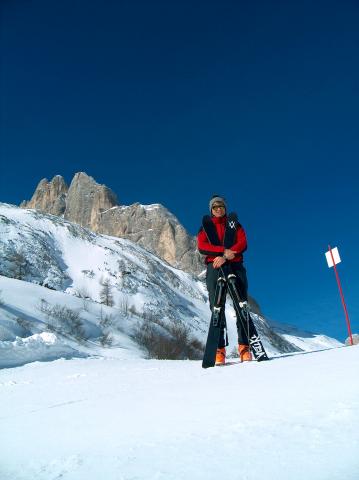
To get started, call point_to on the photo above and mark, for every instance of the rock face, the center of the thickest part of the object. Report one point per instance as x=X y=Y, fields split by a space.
x=156 y=229
x=49 y=197
x=86 y=200
x=96 y=207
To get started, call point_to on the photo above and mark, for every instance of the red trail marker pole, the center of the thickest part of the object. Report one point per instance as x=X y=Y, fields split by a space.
x=340 y=290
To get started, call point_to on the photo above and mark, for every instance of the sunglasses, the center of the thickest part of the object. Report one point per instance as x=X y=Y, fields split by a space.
x=216 y=207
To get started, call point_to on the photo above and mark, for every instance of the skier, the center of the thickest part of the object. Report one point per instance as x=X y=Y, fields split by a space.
x=216 y=256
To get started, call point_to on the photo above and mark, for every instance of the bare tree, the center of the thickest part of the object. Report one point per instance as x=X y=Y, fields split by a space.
x=105 y=320
x=106 y=340
x=84 y=293
x=124 y=305
x=18 y=264
x=173 y=341
x=106 y=296
x=63 y=320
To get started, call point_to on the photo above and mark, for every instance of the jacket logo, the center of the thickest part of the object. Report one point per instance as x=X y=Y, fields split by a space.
x=232 y=224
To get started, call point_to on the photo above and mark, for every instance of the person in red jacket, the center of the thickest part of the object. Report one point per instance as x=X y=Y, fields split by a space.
x=217 y=255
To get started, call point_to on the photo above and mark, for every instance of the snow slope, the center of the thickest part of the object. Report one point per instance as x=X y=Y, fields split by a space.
x=295 y=417
x=46 y=251
x=24 y=335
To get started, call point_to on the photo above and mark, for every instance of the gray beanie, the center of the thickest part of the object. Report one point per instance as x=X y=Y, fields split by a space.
x=216 y=199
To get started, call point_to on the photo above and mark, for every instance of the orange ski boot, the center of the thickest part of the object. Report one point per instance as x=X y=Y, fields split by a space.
x=244 y=353
x=221 y=356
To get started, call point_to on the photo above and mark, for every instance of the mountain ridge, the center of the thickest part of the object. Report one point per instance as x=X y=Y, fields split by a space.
x=96 y=207
x=85 y=287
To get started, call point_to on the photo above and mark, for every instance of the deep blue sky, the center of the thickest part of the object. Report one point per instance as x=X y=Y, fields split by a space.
x=172 y=101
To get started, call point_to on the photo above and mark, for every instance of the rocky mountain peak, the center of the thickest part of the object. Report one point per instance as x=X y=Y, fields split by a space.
x=86 y=200
x=96 y=207
x=49 y=197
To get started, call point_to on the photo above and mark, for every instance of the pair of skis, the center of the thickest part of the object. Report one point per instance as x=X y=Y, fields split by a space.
x=227 y=281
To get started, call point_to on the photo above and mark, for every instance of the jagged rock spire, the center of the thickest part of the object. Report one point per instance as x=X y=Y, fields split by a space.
x=49 y=197
x=96 y=207
x=86 y=200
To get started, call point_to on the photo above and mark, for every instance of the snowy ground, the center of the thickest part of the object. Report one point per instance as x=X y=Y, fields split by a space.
x=294 y=417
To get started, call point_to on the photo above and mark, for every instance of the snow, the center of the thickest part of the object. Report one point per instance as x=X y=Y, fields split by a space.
x=21 y=302
x=75 y=261
x=40 y=346
x=72 y=409
x=295 y=417
x=153 y=206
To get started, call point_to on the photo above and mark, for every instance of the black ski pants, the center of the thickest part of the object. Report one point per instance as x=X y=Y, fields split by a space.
x=242 y=286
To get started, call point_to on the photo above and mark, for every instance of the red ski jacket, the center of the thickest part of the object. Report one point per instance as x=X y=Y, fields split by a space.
x=212 y=251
